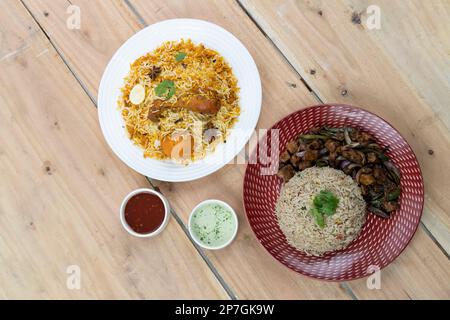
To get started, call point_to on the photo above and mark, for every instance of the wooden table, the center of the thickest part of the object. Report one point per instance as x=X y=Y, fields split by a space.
x=61 y=185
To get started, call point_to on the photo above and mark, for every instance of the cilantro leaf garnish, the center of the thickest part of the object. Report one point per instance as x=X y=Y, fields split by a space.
x=165 y=88
x=325 y=203
x=318 y=216
x=180 y=56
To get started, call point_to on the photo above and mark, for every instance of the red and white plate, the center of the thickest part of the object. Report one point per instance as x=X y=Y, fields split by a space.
x=380 y=241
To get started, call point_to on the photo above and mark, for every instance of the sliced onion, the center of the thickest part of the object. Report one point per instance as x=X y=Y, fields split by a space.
x=378 y=212
x=354 y=145
x=363 y=156
x=300 y=154
x=358 y=174
x=323 y=151
x=344 y=163
x=347 y=136
x=352 y=166
x=393 y=169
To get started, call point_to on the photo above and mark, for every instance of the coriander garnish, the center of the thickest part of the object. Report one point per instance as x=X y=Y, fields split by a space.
x=165 y=88
x=180 y=56
x=325 y=203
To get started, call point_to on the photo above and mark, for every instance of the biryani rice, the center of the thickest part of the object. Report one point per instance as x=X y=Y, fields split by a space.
x=300 y=227
x=202 y=71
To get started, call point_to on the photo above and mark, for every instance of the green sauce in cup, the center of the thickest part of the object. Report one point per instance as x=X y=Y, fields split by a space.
x=213 y=224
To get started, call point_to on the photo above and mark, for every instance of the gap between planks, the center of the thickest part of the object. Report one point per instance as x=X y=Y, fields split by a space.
x=210 y=265
x=61 y=55
x=344 y=286
x=142 y=21
x=320 y=100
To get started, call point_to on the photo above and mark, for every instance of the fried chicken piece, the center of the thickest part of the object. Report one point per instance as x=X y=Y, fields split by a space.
x=331 y=145
x=286 y=172
x=292 y=146
x=311 y=155
x=200 y=104
x=353 y=156
x=285 y=156
x=195 y=103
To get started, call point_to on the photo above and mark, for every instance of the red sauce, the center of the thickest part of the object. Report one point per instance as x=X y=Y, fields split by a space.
x=144 y=212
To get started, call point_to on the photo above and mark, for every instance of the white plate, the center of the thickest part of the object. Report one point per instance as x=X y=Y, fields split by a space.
x=146 y=40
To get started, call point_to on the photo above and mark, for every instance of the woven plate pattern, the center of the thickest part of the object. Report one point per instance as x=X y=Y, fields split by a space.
x=380 y=241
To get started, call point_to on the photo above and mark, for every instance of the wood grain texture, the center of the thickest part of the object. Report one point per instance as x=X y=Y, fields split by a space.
x=245 y=266
x=401 y=72
x=343 y=61
x=104 y=26
x=61 y=188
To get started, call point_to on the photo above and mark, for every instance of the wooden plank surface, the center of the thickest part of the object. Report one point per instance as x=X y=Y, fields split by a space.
x=61 y=189
x=421 y=272
x=104 y=27
x=245 y=266
x=400 y=72
x=394 y=286
x=341 y=60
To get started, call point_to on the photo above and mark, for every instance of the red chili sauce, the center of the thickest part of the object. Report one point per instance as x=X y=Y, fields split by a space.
x=144 y=212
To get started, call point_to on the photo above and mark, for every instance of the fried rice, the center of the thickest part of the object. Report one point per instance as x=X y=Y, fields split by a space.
x=299 y=226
